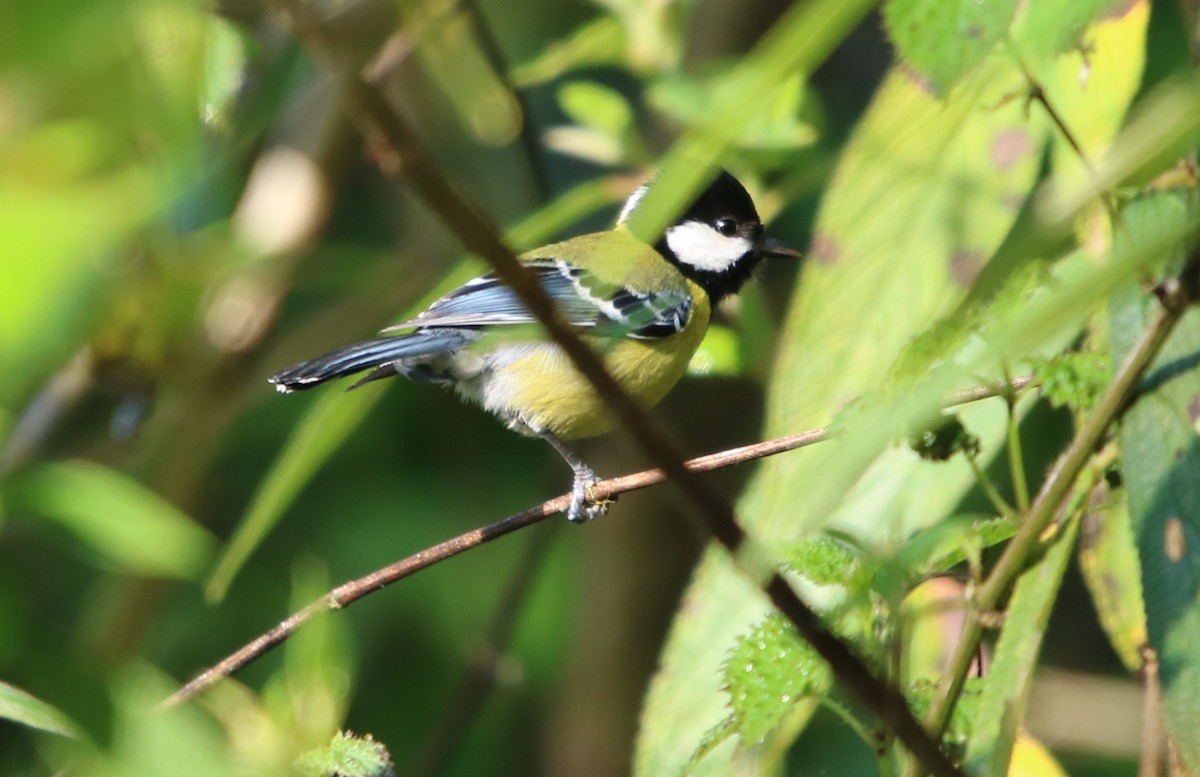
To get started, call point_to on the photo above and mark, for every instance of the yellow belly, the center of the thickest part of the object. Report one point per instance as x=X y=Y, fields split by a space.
x=539 y=388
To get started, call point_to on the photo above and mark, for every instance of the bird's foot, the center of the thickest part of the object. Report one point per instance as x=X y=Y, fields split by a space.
x=584 y=504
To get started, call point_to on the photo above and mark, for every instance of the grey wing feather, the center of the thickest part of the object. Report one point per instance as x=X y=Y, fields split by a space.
x=486 y=301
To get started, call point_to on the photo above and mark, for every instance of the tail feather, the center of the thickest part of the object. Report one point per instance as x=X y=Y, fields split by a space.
x=357 y=357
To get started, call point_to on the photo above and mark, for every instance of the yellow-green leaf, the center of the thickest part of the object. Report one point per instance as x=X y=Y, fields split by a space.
x=944 y=39
x=1109 y=563
x=596 y=106
x=127 y=525
x=24 y=708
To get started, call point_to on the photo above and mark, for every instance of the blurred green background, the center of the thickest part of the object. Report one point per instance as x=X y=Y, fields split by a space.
x=185 y=209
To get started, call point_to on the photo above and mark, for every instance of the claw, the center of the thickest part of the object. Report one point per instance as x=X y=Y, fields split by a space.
x=584 y=506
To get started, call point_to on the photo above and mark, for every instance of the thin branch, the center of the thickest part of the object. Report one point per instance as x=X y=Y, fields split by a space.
x=1016 y=460
x=1037 y=93
x=348 y=593
x=1153 y=731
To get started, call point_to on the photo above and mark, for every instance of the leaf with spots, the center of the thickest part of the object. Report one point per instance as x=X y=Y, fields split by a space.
x=1109 y=563
x=944 y=39
x=1160 y=459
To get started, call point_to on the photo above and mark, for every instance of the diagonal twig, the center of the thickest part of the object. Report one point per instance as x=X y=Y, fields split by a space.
x=350 y=592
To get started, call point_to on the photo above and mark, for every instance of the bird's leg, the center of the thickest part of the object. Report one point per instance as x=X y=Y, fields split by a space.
x=583 y=506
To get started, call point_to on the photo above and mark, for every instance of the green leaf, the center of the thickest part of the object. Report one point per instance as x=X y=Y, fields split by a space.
x=1092 y=91
x=68 y=219
x=1160 y=456
x=1002 y=701
x=183 y=742
x=596 y=106
x=1045 y=29
x=128 y=526
x=920 y=698
x=312 y=691
x=348 y=755
x=679 y=711
x=719 y=354
x=768 y=671
x=1075 y=380
x=948 y=543
x=653 y=33
x=195 y=63
x=226 y=55
x=601 y=133
x=944 y=39
x=827 y=560
x=597 y=42
x=860 y=309
x=20 y=707
x=777 y=125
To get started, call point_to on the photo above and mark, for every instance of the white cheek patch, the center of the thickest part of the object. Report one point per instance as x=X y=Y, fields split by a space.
x=698 y=245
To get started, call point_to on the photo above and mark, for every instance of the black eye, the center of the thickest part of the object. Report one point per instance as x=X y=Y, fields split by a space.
x=727 y=227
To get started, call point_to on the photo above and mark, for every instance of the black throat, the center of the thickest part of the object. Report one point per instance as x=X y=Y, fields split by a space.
x=717 y=285
x=724 y=199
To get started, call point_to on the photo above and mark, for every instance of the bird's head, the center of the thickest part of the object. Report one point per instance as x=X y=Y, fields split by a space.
x=718 y=240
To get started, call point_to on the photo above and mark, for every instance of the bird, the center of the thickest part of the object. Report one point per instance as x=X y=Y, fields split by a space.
x=644 y=307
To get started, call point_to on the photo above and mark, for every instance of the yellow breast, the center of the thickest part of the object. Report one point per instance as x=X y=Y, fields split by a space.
x=536 y=386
